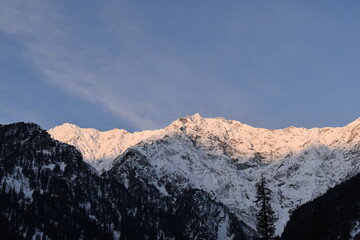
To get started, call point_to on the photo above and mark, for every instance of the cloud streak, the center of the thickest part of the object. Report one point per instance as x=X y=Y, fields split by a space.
x=148 y=64
x=37 y=26
x=134 y=82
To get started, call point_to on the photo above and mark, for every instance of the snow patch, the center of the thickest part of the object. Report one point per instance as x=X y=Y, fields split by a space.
x=18 y=182
x=161 y=189
x=50 y=166
x=116 y=234
x=355 y=230
x=37 y=235
x=62 y=166
x=222 y=232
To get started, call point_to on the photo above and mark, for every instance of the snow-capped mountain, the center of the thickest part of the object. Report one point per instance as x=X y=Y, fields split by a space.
x=99 y=148
x=225 y=159
x=48 y=192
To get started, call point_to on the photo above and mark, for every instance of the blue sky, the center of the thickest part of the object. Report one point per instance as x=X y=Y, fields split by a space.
x=142 y=64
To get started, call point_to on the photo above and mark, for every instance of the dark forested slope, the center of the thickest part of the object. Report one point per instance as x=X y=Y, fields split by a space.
x=331 y=216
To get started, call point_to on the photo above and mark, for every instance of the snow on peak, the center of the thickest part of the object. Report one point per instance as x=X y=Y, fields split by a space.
x=98 y=148
x=216 y=135
x=226 y=157
x=196 y=118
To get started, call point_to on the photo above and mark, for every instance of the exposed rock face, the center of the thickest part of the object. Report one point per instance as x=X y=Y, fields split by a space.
x=225 y=159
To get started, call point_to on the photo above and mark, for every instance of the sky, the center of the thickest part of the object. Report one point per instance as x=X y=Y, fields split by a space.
x=140 y=65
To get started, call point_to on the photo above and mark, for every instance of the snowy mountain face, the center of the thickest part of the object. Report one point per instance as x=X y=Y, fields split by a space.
x=99 y=148
x=48 y=192
x=225 y=159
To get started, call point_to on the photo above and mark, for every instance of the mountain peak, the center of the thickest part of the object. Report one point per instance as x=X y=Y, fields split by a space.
x=196 y=117
x=74 y=128
x=68 y=125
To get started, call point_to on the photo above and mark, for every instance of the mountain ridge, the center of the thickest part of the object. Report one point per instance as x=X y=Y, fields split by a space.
x=48 y=192
x=225 y=158
x=119 y=139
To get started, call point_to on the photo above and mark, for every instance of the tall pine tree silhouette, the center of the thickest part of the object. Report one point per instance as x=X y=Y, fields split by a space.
x=265 y=215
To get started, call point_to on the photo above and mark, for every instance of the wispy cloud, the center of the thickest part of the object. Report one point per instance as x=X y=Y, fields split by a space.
x=136 y=83
x=148 y=65
x=49 y=46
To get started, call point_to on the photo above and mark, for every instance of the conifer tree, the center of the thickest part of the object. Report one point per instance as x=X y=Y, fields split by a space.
x=265 y=215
